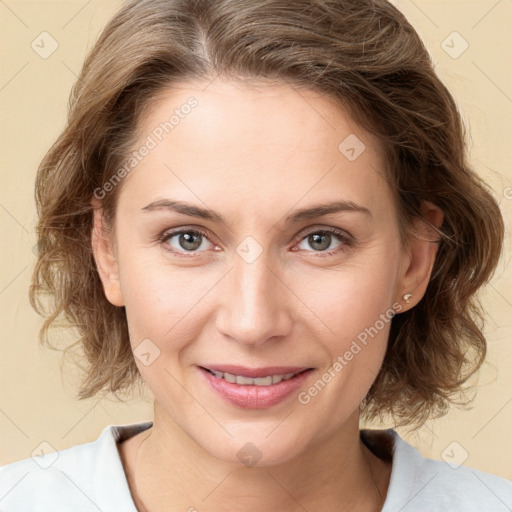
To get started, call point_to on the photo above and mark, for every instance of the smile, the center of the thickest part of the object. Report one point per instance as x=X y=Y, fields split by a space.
x=254 y=388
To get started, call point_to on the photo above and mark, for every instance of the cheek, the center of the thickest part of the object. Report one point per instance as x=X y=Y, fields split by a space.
x=353 y=297
x=162 y=303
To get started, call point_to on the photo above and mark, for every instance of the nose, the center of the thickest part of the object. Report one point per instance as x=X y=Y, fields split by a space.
x=255 y=304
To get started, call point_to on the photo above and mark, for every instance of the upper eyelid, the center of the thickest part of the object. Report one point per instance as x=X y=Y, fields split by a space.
x=329 y=229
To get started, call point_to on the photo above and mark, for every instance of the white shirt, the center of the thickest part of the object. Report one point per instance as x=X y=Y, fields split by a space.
x=90 y=477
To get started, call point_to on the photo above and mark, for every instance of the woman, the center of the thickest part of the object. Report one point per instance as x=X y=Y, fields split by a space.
x=263 y=211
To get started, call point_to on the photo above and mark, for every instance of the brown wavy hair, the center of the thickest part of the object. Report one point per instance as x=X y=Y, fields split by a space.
x=362 y=53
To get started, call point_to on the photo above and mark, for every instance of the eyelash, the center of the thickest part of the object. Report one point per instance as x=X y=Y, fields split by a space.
x=342 y=237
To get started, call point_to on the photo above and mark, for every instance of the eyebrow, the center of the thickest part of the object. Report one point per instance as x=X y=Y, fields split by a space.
x=295 y=217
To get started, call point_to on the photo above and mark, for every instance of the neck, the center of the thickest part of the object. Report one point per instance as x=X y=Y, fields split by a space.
x=171 y=472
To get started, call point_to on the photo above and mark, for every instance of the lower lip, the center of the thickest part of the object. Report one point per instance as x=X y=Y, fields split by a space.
x=252 y=396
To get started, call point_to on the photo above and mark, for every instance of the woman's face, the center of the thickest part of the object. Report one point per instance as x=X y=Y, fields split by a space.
x=260 y=276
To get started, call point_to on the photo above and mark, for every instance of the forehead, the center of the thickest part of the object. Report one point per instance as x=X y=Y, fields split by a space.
x=260 y=145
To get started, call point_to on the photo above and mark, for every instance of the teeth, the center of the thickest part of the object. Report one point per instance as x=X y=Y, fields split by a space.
x=249 y=381
x=241 y=380
x=229 y=377
x=265 y=381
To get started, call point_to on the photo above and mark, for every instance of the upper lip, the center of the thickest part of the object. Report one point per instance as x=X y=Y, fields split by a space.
x=243 y=371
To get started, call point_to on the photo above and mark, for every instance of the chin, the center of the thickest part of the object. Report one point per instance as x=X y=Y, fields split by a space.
x=256 y=453
x=256 y=445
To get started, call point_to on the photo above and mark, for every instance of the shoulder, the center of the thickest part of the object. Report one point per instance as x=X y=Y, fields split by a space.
x=418 y=483
x=85 y=477
x=49 y=480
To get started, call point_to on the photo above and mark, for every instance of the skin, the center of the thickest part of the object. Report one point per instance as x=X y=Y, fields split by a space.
x=254 y=154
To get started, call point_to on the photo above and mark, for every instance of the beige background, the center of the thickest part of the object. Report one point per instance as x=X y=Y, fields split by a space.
x=37 y=402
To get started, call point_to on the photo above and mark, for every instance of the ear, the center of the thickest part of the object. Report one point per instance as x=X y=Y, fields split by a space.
x=105 y=258
x=420 y=256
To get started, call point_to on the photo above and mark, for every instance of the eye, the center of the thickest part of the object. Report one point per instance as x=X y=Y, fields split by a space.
x=184 y=240
x=188 y=240
x=321 y=240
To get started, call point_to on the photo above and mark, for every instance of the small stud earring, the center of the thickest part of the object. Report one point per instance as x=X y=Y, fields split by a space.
x=406 y=297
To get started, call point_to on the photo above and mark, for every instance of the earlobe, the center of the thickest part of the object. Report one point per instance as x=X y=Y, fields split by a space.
x=421 y=256
x=106 y=262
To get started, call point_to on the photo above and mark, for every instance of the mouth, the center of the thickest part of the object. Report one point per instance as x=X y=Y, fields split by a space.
x=255 y=388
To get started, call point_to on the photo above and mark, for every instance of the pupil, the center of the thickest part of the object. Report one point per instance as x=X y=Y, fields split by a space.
x=317 y=239
x=186 y=241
